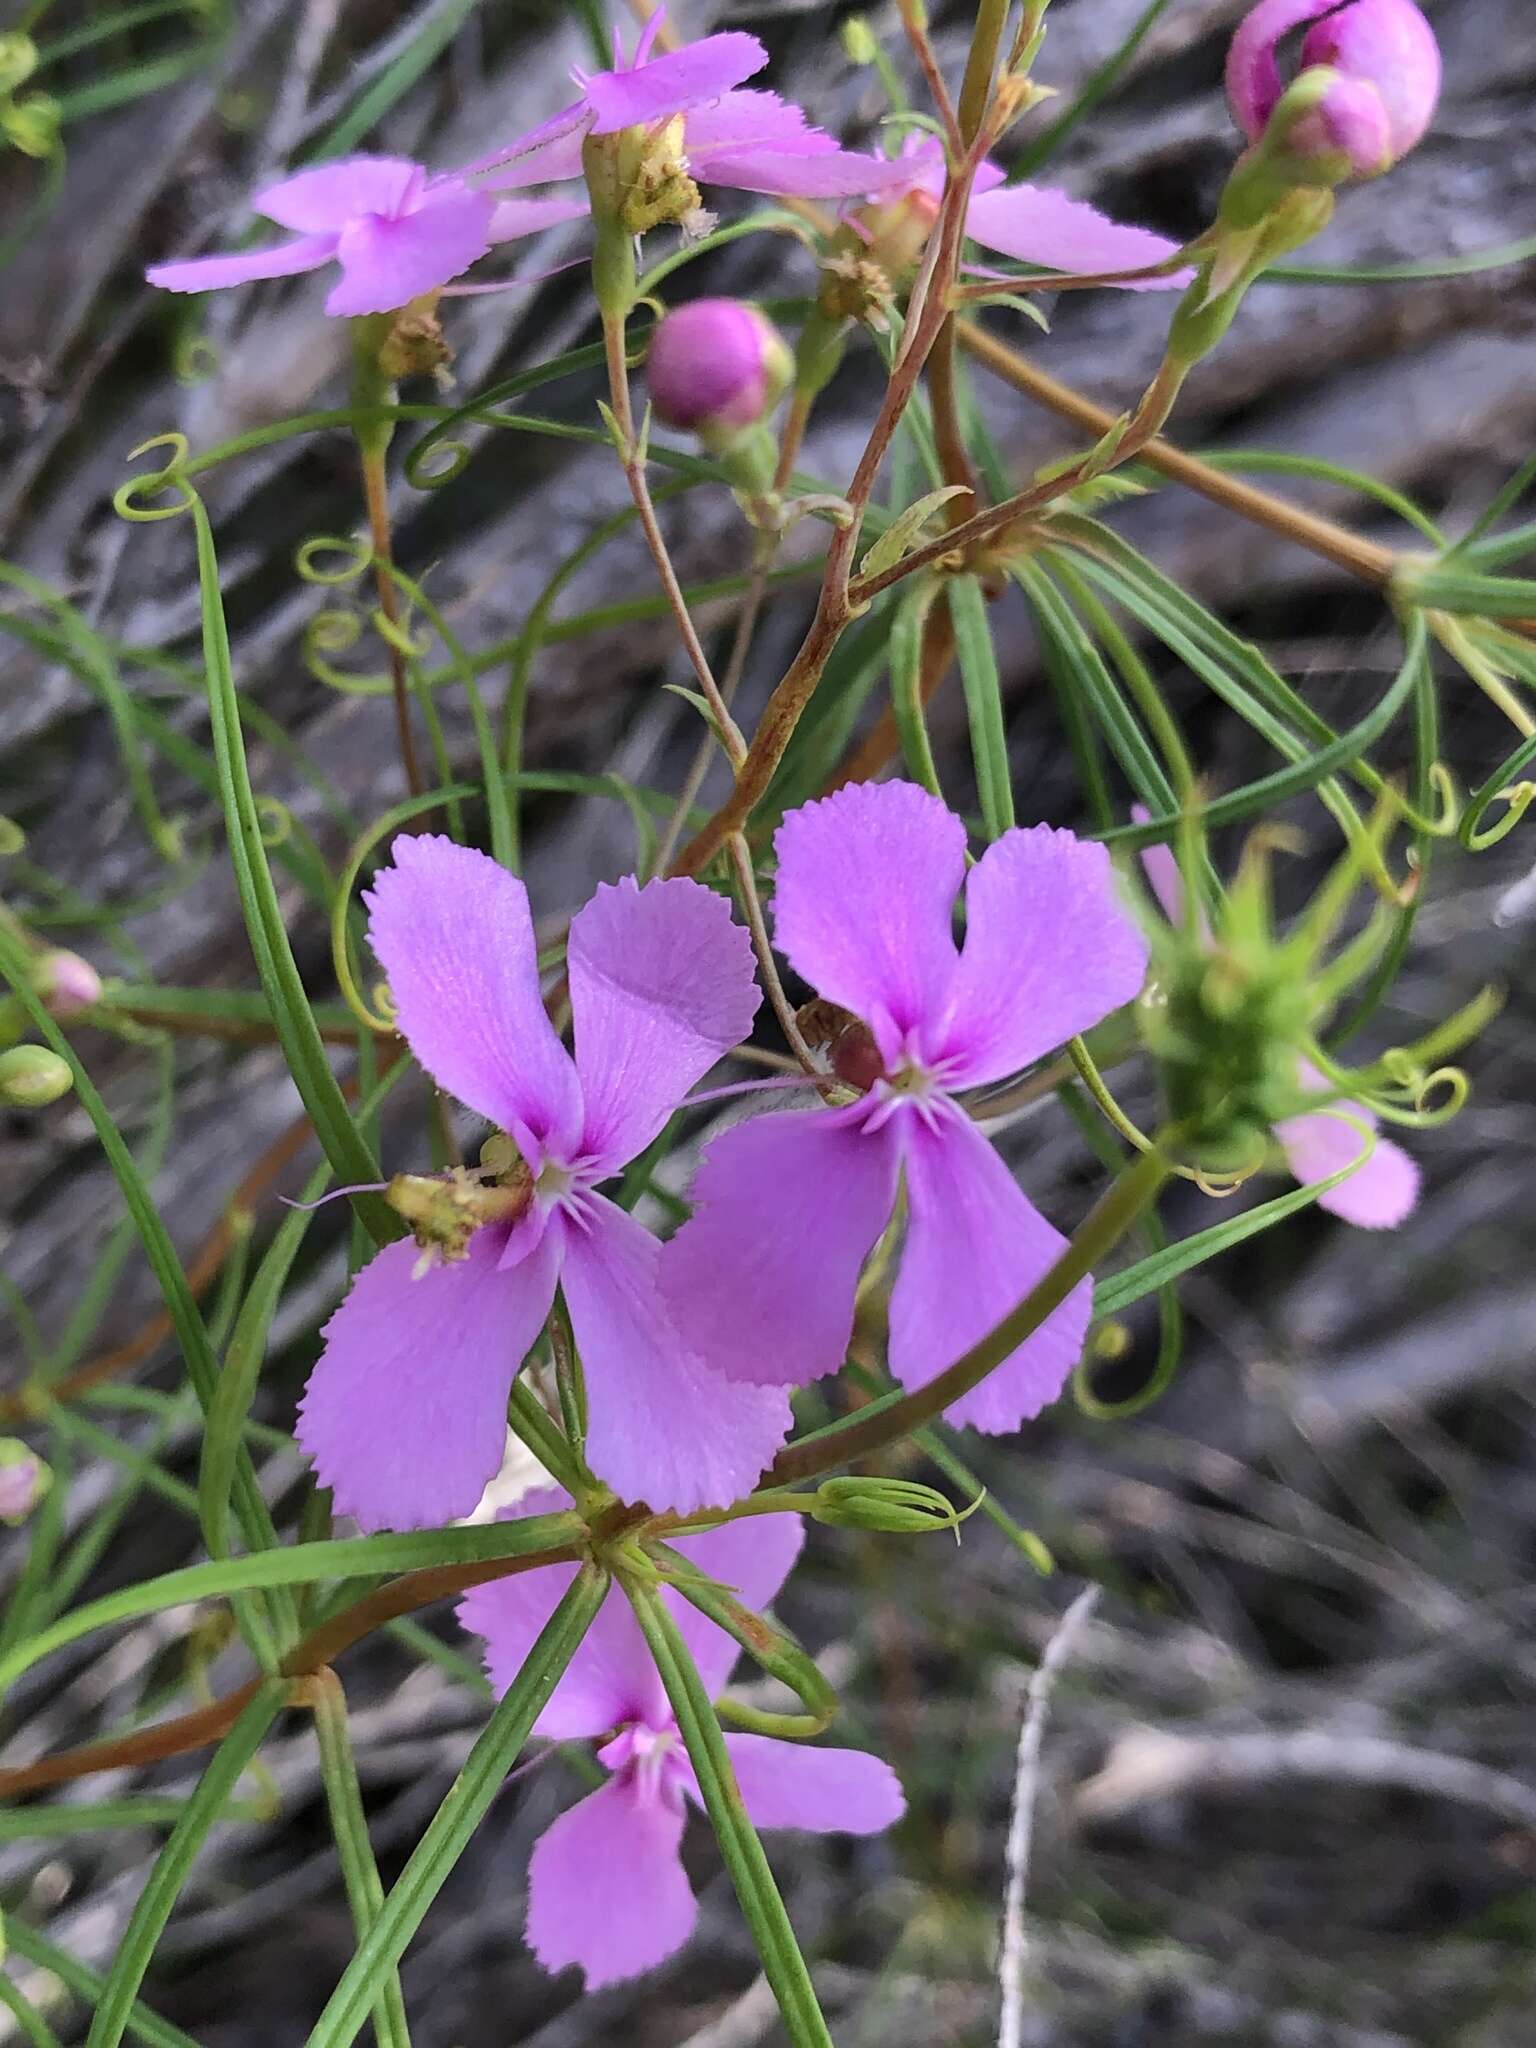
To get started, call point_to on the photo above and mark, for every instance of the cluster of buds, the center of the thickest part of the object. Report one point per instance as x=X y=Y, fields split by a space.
x=28 y=121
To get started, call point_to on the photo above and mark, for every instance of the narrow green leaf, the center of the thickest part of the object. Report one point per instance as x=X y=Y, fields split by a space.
x=47 y=1823
x=1118 y=1292
x=186 y=1320
x=87 y=1985
x=906 y=658
x=296 y=1029
x=162 y=1888
x=983 y=702
x=301 y=1564
x=905 y=530
x=34 y=2027
x=448 y=1834
x=354 y=1850
x=783 y=1964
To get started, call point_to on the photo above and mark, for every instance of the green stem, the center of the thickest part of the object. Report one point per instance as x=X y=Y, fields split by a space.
x=783 y=1964
x=349 y=1825
x=468 y=1800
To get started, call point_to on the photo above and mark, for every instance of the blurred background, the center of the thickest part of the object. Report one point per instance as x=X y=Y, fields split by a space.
x=1288 y=1791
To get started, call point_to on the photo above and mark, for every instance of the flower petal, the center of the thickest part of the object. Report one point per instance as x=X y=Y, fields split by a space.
x=761 y=1279
x=405 y=1414
x=1382 y=1190
x=453 y=933
x=663 y=1429
x=387 y=263
x=1050 y=950
x=539 y=156
x=752 y=120
x=1042 y=225
x=668 y=85
x=610 y=1680
x=514 y=218
x=217 y=273
x=974 y=1248
x=824 y=1791
x=1389 y=49
x=751 y=1558
x=1254 y=81
x=661 y=985
x=328 y=196
x=865 y=899
x=606 y=1885
x=835 y=174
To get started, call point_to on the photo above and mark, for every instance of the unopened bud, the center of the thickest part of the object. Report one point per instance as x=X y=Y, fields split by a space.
x=32 y=1076
x=859 y=45
x=18 y=60
x=1380 y=82
x=65 y=984
x=716 y=367
x=31 y=125
x=24 y=1479
x=897 y=1507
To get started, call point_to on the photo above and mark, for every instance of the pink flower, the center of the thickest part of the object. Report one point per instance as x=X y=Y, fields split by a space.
x=1383 y=1189
x=405 y=1412
x=395 y=230
x=762 y=1279
x=606 y=1886
x=1037 y=224
x=1389 y=65
x=750 y=141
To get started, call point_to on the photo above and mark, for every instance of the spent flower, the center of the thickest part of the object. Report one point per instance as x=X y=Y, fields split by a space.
x=1231 y=1016
x=405 y=1412
x=763 y=1278
x=606 y=1885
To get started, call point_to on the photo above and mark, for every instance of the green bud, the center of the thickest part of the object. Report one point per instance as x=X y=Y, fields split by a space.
x=31 y=125
x=859 y=45
x=24 y=1479
x=31 y=1076
x=897 y=1507
x=18 y=60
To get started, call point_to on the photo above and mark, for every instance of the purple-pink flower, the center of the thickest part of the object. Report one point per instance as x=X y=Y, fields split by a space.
x=606 y=1885
x=1317 y=1144
x=405 y=1412
x=1384 y=97
x=762 y=1279
x=749 y=141
x=394 y=228
x=1037 y=224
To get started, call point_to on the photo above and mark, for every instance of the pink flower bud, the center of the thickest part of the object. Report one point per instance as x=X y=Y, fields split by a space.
x=716 y=367
x=1384 y=51
x=66 y=984
x=24 y=1479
